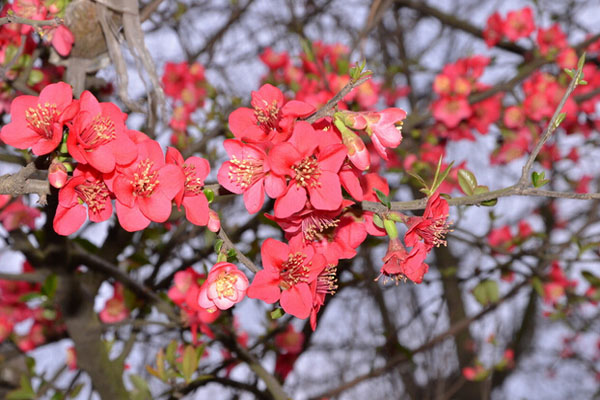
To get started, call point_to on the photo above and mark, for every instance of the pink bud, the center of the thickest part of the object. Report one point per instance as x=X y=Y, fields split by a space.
x=357 y=151
x=57 y=174
x=214 y=223
x=225 y=286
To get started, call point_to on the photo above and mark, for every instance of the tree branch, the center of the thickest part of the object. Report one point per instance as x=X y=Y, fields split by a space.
x=19 y=183
x=326 y=109
x=228 y=244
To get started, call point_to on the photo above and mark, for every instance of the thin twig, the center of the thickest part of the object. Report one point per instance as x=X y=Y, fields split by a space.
x=326 y=109
x=228 y=244
x=550 y=128
x=14 y=19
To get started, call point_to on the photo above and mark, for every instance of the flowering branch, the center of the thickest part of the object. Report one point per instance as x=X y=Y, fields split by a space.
x=552 y=125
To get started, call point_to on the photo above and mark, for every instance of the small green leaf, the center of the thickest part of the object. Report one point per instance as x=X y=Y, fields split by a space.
x=383 y=198
x=582 y=82
x=591 y=278
x=377 y=221
x=538 y=179
x=277 y=313
x=481 y=189
x=581 y=61
x=31 y=296
x=50 y=285
x=569 y=72
x=559 y=119
x=536 y=283
x=210 y=195
x=170 y=353
x=486 y=292
x=218 y=245
x=189 y=363
x=76 y=390
x=467 y=181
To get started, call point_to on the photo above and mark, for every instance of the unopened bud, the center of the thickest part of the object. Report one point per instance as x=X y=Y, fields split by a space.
x=57 y=174
x=390 y=228
x=214 y=223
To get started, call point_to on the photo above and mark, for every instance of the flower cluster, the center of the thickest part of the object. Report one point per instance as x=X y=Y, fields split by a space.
x=112 y=162
x=423 y=233
x=306 y=168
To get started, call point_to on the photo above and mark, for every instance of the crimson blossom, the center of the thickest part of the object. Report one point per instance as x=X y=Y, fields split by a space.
x=38 y=122
x=287 y=272
x=145 y=188
x=98 y=135
x=314 y=175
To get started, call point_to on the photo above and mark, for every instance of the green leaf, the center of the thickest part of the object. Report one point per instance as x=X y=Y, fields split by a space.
x=569 y=72
x=442 y=177
x=30 y=296
x=489 y=203
x=536 y=283
x=210 y=195
x=277 y=313
x=486 y=292
x=383 y=198
x=537 y=179
x=591 y=278
x=467 y=181
x=170 y=353
x=377 y=221
x=24 y=392
x=559 y=119
x=481 y=189
x=218 y=245
x=189 y=363
x=581 y=61
x=141 y=390
x=49 y=287
x=75 y=391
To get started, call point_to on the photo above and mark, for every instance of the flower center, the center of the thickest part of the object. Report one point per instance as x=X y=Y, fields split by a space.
x=99 y=132
x=267 y=115
x=246 y=172
x=307 y=172
x=225 y=285
x=193 y=184
x=145 y=179
x=293 y=271
x=316 y=227
x=41 y=118
x=94 y=194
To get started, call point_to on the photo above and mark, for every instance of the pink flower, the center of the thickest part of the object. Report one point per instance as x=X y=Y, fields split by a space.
x=400 y=265
x=62 y=40
x=314 y=177
x=519 y=24
x=248 y=172
x=192 y=196
x=146 y=188
x=432 y=226
x=115 y=309
x=492 y=34
x=98 y=135
x=225 y=286
x=85 y=188
x=37 y=122
x=270 y=119
x=17 y=214
x=451 y=110
x=287 y=272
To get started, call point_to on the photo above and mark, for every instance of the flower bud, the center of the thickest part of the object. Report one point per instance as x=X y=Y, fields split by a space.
x=57 y=174
x=214 y=223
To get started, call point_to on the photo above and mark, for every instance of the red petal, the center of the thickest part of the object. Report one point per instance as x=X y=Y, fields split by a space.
x=131 y=218
x=196 y=209
x=292 y=201
x=265 y=287
x=328 y=194
x=273 y=254
x=254 y=197
x=157 y=207
x=68 y=220
x=297 y=300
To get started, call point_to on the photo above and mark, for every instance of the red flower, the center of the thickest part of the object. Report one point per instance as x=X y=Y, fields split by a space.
x=400 y=265
x=313 y=177
x=86 y=187
x=17 y=214
x=145 y=188
x=519 y=24
x=115 y=309
x=37 y=122
x=248 y=172
x=286 y=275
x=192 y=196
x=270 y=119
x=432 y=226
x=62 y=40
x=493 y=31
x=98 y=135
x=225 y=286
x=451 y=110
x=552 y=39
